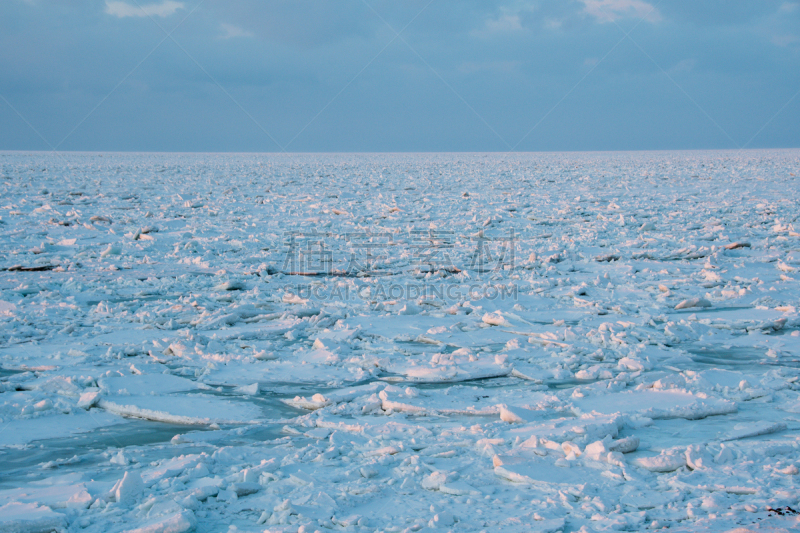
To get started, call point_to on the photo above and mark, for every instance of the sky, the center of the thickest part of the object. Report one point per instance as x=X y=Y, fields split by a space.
x=398 y=75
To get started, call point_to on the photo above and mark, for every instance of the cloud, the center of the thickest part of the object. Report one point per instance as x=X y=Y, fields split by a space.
x=507 y=21
x=683 y=66
x=553 y=24
x=471 y=67
x=611 y=10
x=232 y=31
x=784 y=40
x=504 y=24
x=122 y=10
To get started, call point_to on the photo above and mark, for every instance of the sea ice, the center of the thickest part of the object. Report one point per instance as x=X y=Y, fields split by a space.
x=399 y=342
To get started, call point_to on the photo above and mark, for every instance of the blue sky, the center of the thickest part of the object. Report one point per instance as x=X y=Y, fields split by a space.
x=388 y=75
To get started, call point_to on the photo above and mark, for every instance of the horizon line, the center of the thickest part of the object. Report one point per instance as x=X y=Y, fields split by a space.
x=409 y=152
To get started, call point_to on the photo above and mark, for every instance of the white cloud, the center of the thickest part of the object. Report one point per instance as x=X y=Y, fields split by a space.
x=504 y=24
x=122 y=9
x=611 y=10
x=471 y=67
x=507 y=22
x=232 y=31
x=683 y=66
x=784 y=40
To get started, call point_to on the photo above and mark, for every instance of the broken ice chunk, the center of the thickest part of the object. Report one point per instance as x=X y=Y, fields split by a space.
x=181 y=522
x=88 y=399
x=128 y=488
x=697 y=457
x=668 y=461
x=762 y=427
x=672 y=403
x=495 y=319
x=516 y=415
x=693 y=302
x=250 y=390
x=16 y=517
x=113 y=249
x=231 y=285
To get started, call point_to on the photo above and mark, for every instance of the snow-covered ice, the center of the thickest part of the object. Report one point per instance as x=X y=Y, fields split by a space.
x=475 y=342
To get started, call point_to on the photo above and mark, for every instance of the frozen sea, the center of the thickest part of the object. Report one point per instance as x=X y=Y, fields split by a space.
x=399 y=342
